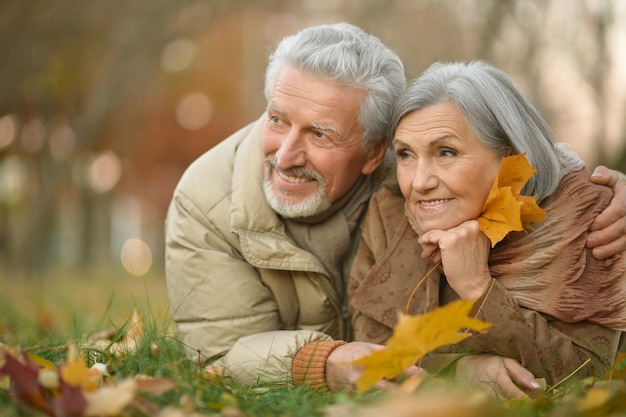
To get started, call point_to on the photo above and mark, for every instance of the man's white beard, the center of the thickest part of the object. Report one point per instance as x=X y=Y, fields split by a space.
x=309 y=206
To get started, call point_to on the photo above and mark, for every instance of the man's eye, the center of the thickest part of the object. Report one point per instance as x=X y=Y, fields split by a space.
x=320 y=135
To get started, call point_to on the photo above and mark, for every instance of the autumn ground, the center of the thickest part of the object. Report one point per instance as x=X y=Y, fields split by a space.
x=50 y=314
x=57 y=328
x=73 y=301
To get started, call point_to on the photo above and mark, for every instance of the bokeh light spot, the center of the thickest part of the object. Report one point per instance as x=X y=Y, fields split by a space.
x=136 y=257
x=104 y=172
x=13 y=179
x=194 y=111
x=33 y=135
x=8 y=130
x=178 y=55
x=62 y=141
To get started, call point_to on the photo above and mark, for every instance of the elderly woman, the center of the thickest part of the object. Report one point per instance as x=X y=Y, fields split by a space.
x=557 y=310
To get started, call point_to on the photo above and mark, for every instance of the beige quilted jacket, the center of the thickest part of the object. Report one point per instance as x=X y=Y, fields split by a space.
x=240 y=290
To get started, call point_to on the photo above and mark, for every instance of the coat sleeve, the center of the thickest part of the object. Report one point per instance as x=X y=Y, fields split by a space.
x=547 y=347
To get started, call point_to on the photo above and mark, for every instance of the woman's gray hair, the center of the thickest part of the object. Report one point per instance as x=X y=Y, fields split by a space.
x=500 y=116
x=345 y=53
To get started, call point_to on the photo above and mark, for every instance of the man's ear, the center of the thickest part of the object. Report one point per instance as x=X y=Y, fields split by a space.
x=374 y=157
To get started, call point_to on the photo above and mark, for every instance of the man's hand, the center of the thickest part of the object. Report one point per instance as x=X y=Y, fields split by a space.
x=340 y=375
x=500 y=376
x=608 y=231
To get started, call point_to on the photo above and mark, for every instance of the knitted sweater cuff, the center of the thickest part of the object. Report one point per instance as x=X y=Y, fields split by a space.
x=309 y=364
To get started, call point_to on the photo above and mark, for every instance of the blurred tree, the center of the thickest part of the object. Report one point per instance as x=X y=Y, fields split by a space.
x=104 y=103
x=82 y=65
x=550 y=46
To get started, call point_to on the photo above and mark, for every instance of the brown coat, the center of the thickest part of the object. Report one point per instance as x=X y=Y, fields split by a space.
x=388 y=266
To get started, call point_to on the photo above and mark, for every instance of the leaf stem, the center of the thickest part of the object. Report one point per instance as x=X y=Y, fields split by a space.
x=569 y=376
x=406 y=309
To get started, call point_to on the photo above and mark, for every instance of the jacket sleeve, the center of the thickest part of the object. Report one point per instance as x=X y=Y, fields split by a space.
x=547 y=347
x=220 y=306
x=269 y=356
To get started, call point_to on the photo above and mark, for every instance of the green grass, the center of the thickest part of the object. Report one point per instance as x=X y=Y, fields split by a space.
x=71 y=302
x=47 y=313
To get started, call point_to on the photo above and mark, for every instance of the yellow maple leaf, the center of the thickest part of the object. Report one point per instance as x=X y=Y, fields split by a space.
x=505 y=210
x=76 y=373
x=44 y=363
x=594 y=400
x=415 y=336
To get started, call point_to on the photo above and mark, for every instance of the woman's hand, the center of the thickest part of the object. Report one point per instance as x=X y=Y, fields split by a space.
x=341 y=375
x=464 y=252
x=497 y=375
x=608 y=231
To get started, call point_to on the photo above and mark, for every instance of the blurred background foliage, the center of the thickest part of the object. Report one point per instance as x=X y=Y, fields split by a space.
x=104 y=103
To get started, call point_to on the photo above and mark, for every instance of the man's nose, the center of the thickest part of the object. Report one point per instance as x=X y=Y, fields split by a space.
x=292 y=151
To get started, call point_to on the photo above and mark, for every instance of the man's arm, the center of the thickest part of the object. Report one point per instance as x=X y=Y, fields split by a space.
x=608 y=231
x=216 y=297
x=220 y=306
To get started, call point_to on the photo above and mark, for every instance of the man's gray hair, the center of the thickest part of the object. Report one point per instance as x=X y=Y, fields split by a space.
x=500 y=116
x=345 y=53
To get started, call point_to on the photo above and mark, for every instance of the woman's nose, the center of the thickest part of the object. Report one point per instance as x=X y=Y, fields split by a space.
x=424 y=178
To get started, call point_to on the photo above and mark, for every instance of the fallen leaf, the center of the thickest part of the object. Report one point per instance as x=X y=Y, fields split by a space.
x=135 y=327
x=110 y=400
x=594 y=399
x=71 y=402
x=505 y=210
x=154 y=386
x=213 y=373
x=42 y=362
x=76 y=373
x=49 y=379
x=25 y=384
x=415 y=336
x=440 y=401
x=128 y=343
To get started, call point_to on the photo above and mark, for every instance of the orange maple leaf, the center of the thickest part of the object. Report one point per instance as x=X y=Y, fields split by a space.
x=505 y=210
x=415 y=336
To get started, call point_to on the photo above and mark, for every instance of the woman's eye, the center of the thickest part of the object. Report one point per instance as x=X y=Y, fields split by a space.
x=275 y=119
x=401 y=154
x=446 y=153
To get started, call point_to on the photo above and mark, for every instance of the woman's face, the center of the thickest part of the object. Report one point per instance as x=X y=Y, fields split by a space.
x=444 y=172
